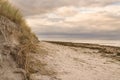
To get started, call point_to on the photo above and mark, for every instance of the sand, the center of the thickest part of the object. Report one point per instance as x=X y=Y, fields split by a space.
x=74 y=63
x=8 y=67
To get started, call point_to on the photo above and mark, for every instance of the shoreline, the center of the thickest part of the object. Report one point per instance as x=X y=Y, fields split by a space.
x=115 y=43
x=105 y=50
x=84 y=43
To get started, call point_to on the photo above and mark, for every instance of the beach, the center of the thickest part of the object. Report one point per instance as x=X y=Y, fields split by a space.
x=76 y=61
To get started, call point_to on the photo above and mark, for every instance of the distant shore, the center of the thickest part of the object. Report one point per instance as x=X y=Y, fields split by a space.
x=108 y=51
x=90 y=41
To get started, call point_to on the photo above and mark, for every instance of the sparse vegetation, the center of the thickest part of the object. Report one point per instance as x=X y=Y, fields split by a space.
x=26 y=38
x=12 y=13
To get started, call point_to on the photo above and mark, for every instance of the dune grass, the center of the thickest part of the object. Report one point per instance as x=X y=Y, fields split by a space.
x=27 y=39
x=10 y=12
x=13 y=14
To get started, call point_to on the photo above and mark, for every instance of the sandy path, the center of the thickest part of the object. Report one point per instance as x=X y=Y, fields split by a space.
x=77 y=64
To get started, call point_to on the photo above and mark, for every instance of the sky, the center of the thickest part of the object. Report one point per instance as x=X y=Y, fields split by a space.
x=82 y=19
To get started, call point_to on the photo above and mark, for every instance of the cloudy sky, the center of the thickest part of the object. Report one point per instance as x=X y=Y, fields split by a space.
x=83 y=19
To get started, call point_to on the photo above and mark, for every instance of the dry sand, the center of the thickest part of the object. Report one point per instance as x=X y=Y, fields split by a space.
x=8 y=67
x=71 y=63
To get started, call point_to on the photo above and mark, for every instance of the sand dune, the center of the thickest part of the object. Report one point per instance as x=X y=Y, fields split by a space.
x=8 y=68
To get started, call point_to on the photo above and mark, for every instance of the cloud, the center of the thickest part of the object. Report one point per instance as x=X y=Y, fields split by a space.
x=72 y=18
x=42 y=6
x=66 y=11
x=78 y=21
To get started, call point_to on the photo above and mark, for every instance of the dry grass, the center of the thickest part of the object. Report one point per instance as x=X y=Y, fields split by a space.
x=26 y=38
x=12 y=13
